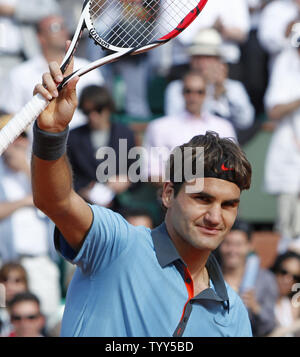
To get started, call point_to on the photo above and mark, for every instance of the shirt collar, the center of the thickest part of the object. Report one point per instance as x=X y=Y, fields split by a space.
x=166 y=254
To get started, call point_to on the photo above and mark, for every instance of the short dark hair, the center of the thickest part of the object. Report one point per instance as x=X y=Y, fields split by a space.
x=281 y=258
x=193 y=73
x=243 y=226
x=21 y=297
x=219 y=153
x=99 y=96
x=12 y=266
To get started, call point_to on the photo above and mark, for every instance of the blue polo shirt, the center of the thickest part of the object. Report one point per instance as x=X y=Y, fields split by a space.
x=131 y=282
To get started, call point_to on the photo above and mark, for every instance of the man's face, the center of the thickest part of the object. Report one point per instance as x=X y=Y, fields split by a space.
x=288 y=275
x=14 y=283
x=53 y=32
x=194 y=90
x=201 y=220
x=234 y=249
x=26 y=319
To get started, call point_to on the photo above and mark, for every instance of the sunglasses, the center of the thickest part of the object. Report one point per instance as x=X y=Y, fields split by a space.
x=88 y=112
x=195 y=91
x=56 y=27
x=285 y=272
x=24 y=317
x=13 y=280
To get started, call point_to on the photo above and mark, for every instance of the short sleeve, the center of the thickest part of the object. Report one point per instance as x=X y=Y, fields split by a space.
x=106 y=240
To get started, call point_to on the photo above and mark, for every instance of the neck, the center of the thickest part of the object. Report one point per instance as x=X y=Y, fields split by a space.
x=194 y=258
x=103 y=123
x=235 y=273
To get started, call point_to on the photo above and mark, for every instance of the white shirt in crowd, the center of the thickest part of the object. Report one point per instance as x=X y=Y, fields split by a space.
x=168 y=132
x=282 y=170
x=16 y=32
x=16 y=91
x=232 y=13
x=30 y=232
x=274 y=20
x=234 y=104
x=10 y=33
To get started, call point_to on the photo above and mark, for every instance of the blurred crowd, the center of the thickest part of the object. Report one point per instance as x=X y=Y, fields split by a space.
x=235 y=71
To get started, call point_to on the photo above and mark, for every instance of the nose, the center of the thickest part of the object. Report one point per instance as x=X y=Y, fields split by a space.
x=213 y=216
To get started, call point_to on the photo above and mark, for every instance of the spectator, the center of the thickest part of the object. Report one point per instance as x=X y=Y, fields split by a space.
x=100 y=132
x=231 y=19
x=282 y=170
x=275 y=26
x=255 y=59
x=287 y=271
x=25 y=231
x=171 y=131
x=17 y=28
x=225 y=97
x=260 y=296
x=14 y=278
x=52 y=35
x=26 y=316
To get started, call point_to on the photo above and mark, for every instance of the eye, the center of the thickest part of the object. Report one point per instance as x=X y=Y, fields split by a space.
x=204 y=199
x=230 y=204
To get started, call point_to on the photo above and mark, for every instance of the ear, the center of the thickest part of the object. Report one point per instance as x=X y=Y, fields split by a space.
x=167 y=194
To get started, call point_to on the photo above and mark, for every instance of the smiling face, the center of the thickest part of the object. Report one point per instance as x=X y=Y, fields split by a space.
x=234 y=249
x=199 y=221
x=288 y=275
x=194 y=90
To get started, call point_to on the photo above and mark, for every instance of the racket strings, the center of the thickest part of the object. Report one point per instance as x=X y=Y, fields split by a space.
x=135 y=23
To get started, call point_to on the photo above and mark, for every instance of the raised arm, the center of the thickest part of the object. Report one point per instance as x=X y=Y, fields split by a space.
x=52 y=179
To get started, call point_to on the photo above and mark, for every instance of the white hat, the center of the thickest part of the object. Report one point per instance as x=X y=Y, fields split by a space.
x=207 y=42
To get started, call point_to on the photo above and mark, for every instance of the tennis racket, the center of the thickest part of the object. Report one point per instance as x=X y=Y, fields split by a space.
x=123 y=28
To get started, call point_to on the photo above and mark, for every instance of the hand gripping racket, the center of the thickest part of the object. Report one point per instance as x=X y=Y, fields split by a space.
x=122 y=27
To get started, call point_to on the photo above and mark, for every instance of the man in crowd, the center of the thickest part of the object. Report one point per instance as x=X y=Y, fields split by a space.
x=171 y=131
x=17 y=88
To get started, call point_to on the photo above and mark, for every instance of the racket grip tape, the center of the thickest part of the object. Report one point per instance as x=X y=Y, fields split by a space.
x=21 y=121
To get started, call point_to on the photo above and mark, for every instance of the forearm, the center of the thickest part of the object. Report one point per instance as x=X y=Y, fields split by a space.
x=51 y=185
x=280 y=111
x=234 y=34
x=8 y=208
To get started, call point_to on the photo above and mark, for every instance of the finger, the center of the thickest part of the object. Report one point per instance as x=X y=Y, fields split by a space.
x=56 y=72
x=49 y=84
x=40 y=89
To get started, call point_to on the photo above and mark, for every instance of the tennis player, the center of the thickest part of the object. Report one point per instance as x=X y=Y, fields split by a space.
x=131 y=281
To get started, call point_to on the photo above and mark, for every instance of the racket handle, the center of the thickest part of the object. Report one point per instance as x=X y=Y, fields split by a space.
x=21 y=121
